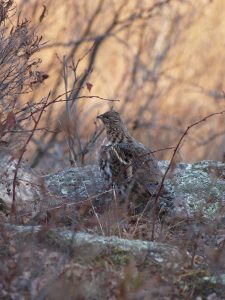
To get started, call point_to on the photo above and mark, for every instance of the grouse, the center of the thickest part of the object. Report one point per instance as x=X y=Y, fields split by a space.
x=130 y=167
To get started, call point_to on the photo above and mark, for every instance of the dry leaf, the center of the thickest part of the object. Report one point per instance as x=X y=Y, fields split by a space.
x=89 y=86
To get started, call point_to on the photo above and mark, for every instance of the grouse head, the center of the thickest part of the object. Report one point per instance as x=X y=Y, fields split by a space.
x=110 y=117
x=115 y=128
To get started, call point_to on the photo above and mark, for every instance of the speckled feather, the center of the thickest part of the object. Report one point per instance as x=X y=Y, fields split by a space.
x=128 y=164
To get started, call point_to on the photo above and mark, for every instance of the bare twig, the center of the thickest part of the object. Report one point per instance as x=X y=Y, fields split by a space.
x=23 y=150
x=57 y=100
x=171 y=162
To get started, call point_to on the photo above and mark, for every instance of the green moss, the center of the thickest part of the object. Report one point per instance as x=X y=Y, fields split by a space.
x=120 y=257
x=116 y=257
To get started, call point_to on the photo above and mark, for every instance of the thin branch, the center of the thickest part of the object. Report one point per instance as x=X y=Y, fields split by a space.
x=23 y=150
x=61 y=100
x=171 y=162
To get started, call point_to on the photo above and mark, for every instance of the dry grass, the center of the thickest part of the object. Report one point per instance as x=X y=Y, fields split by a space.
x=157 y=58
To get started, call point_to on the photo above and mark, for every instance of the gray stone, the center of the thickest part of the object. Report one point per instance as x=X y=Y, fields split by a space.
x=66 y=240
x=78 y=184
x=200 y=187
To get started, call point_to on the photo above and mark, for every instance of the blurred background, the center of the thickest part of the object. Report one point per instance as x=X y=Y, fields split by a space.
x=164 y=61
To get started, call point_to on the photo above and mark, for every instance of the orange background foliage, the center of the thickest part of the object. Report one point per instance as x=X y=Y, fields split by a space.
x=165 y=63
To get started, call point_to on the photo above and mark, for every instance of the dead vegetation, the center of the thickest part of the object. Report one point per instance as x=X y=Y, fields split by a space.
x=45 y=115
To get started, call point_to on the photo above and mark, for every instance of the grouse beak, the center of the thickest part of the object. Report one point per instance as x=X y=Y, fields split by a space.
x=99 y=117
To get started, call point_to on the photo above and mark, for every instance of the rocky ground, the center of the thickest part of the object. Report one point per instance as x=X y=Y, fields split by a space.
x=71 y=240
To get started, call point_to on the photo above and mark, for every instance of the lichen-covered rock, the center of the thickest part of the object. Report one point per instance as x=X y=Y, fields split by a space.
x=201 y=185
x=199 y=188
x=153 y=253
x=78 y=184
x=28 y=186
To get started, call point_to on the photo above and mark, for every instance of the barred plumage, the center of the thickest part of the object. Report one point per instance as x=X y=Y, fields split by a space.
x=130 y=166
